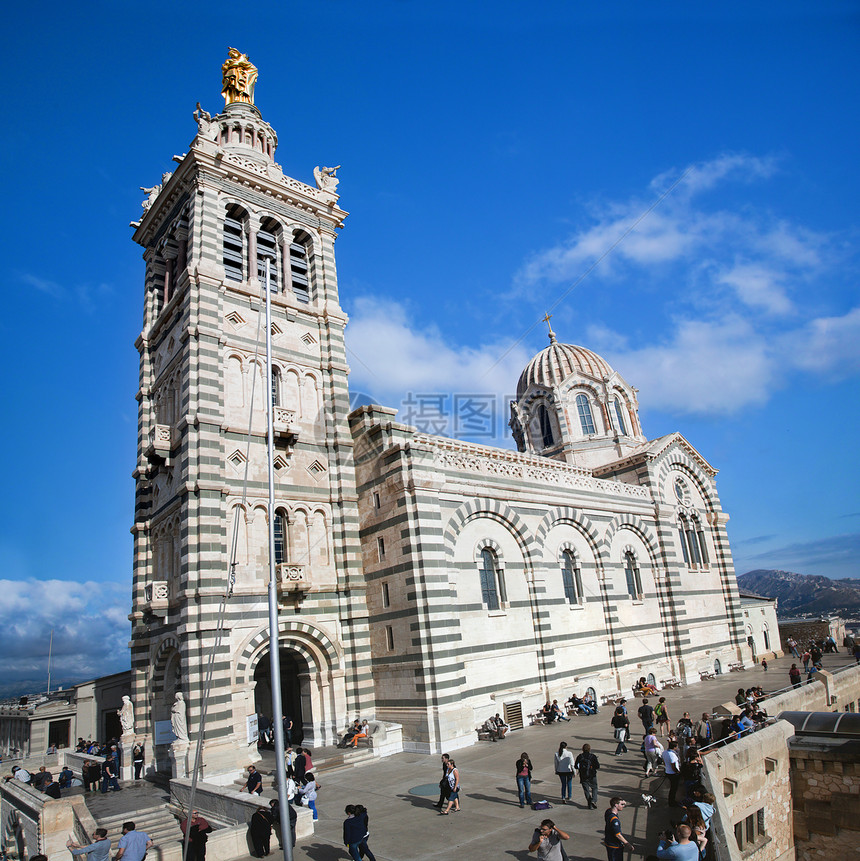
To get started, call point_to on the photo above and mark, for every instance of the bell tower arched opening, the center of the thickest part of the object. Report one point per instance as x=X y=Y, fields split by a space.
x=295 y=690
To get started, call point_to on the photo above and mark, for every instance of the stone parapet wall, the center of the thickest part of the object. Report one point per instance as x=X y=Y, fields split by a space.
x=825 y=781
x=747 y=776
x=804 y=630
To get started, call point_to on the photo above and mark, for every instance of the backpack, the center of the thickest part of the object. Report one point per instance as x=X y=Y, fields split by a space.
x=685 y=730
x=586 y=767
x=659 y=709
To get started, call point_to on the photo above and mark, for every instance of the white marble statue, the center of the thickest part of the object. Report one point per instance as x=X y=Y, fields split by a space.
x=152 y=193
x=326 y=178
x=178 y=720
x=126 y=715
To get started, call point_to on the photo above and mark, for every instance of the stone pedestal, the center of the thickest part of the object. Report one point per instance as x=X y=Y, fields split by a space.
x=179 y=752
x=126 y=743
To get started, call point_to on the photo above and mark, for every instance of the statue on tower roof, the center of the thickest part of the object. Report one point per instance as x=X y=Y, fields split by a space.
x=238 y=77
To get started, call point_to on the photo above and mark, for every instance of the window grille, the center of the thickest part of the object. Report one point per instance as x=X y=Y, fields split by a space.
x=299 y=271
x=232 y=255
x=267 y=249
x=280 y=538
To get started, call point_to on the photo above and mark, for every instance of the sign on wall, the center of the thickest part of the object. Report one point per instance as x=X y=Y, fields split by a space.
x=164 y=732
x=253 y=729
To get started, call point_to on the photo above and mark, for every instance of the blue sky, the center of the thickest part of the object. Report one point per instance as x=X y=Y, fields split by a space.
x=490 y=160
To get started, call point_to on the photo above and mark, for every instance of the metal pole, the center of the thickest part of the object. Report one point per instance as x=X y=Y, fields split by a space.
x=274 y=640
x=50 y=651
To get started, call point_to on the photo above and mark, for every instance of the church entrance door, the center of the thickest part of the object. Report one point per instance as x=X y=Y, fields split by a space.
x=294 y=690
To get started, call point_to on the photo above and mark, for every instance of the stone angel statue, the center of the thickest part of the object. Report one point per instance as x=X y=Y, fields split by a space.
x=326 y=178
x=178 y=719
x=152 y=194
x=238 y=77
x=126 y=715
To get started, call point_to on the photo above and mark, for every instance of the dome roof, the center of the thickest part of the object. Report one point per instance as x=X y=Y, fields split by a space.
x=557 y=362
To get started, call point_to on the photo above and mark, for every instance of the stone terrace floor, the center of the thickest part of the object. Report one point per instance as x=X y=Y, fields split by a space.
x=404 y=826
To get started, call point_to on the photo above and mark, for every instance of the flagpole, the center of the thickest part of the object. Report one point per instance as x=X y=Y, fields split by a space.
x=274 y=640
x=50 y=652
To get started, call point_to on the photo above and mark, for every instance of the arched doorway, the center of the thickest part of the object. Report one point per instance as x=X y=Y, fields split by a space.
x=295 y=694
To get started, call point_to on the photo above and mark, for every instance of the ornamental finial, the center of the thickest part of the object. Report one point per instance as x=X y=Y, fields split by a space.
x=238 y=77
x=546 y=320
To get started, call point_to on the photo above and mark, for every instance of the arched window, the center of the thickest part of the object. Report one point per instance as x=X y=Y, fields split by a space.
x=571 y=578
x=492 y=581
x=692 y=540
x=545 y=426
x=619 y=414
x=631 y=572
x=300 y=267
x=281 y=549
x=766 y=638
x=233 y=244
x=276 y=387
x=267 y=250
x=586 y=420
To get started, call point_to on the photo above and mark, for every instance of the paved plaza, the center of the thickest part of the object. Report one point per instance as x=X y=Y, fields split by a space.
x=405 y=826
x=399 y=791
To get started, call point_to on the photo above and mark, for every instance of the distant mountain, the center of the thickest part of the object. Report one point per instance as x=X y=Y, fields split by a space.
x=801 y=594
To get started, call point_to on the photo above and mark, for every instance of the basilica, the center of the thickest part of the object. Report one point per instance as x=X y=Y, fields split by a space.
x=423 y=582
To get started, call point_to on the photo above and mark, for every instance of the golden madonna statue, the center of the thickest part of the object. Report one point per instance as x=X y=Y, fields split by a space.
x=238 y=77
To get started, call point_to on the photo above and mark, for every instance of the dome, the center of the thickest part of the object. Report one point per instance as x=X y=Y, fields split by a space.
x=557 y=362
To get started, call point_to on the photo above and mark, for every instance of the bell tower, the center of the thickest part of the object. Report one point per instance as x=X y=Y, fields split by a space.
x=214 y=233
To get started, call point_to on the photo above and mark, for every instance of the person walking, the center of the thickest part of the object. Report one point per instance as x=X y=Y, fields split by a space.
x=661 y=713
x=353 y=832
x=364 y=819
x=524 y=779
x=672 y=766
x=587 y=766
x=621 y=726
x=613 y=839
x=646 y=715
x=254 y=783
x=653 y=752
x=794 y=675
x=109 y=778
x=133 y=845
x=444 y=788
x=454 y=784
x=564 y=770
x=546 y=841
x=308 y=792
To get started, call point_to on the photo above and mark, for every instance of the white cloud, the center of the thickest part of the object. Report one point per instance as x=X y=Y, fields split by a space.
x=826 y=345
x=390 y=355
x=704 y=368
x=394 y=360
x=761 y=259
x=90 y=626
x=758 y=286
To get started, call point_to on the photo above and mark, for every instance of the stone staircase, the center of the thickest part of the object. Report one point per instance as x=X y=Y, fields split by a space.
x=151 y=815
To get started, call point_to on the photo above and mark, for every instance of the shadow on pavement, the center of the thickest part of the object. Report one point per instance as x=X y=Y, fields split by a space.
x=323 y=852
